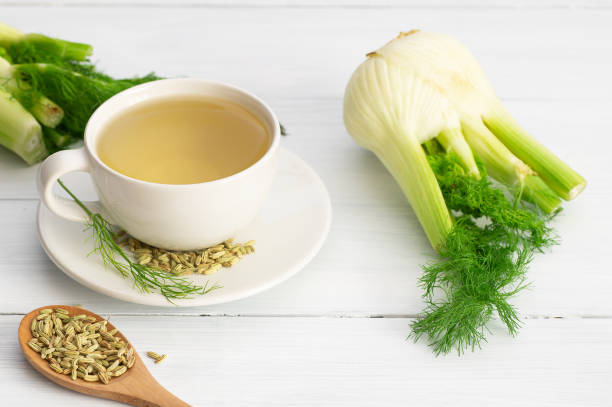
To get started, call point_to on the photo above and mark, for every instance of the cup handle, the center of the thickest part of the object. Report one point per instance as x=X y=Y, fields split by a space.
x=50 y=170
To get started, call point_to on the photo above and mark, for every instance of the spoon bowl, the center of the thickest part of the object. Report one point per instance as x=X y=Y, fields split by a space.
x=136 y=387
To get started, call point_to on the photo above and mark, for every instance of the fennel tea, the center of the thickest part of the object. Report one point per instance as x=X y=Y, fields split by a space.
x=183 y=141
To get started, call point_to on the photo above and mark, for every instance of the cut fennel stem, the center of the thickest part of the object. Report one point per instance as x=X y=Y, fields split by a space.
x=19 y=130
x=506 y=168
x=567 y=183
x=453 y=141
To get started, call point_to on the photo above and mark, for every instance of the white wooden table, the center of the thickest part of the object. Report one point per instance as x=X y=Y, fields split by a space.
x=334 y=335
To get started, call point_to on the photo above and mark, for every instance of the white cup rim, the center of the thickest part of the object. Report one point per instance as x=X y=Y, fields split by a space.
x=99 y=113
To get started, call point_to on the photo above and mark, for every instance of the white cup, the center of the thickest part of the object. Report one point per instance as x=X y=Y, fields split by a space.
x=178 y=217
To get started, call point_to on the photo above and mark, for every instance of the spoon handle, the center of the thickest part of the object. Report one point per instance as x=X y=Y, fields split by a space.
x=158 y=397
x=142 y=390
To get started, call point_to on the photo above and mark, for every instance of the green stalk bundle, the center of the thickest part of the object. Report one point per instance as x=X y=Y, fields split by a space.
x=55 y=82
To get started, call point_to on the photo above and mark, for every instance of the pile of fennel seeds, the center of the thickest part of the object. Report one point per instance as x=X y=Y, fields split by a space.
x=205 y=261
x=80 y=346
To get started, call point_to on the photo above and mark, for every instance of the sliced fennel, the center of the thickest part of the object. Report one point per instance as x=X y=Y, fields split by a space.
x=19 y=130
x=46 y=112
x=423 y=105
x=24 y=43
x=53 y=80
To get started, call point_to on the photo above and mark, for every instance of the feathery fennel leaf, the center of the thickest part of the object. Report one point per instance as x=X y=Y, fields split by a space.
x=482 y=262
x=79 y=94
x=145 y=278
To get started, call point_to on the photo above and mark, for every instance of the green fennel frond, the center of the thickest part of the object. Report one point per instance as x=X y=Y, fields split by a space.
x=61 y=71
x=146 y=279
x=483 y=261
x=78 y=93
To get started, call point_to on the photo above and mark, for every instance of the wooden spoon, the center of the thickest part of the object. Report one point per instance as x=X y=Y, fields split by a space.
x=135 y=387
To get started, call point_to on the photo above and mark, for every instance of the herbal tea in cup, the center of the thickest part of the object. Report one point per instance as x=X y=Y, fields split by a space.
x=183 y=140
x=179 y=164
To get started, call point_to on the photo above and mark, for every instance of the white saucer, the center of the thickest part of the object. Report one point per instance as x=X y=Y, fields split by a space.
x=288 y=232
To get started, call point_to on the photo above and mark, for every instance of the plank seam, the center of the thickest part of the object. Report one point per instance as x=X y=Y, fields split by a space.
x=356 y=6
x=316 y=316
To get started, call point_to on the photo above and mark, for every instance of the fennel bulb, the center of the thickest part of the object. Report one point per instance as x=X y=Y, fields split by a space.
x=421 y=86
x=423 y=105
x=451 y=67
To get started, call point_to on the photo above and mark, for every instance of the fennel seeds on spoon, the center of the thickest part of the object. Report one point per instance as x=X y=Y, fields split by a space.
x=80 y=346
x=204 y=261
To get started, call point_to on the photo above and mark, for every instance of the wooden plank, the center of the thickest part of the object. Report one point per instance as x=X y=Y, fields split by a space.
x=343 y=362
x=369 y=266
x=303 y=4
x=551 y=54
x=355 y=177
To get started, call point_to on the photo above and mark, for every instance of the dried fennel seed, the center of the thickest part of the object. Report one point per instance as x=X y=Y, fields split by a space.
x=80 y=346
x=205 y=261
x=156 y=356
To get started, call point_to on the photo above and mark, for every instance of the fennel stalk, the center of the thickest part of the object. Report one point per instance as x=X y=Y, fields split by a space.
x=19 y=130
